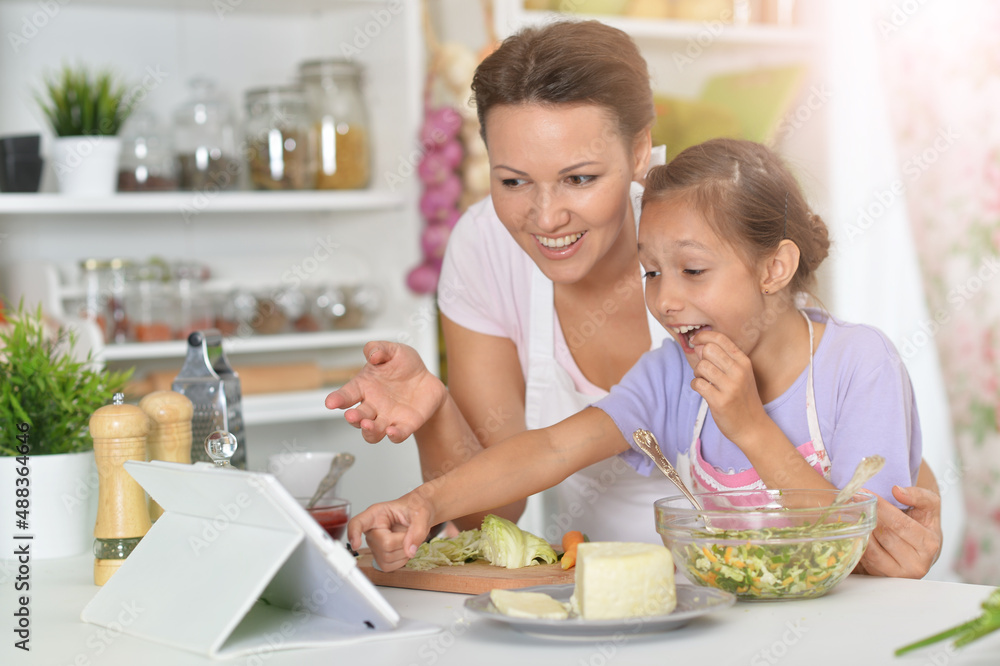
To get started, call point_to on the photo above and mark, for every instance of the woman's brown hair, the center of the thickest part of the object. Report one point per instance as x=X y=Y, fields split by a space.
x=568 y=62
x=749 y=197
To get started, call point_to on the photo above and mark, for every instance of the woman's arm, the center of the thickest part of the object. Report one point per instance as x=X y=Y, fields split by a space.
x=487 y=389
x=520 y=466
x=395 y=396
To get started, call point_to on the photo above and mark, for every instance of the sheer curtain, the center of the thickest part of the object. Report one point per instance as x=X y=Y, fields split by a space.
x=874 y=273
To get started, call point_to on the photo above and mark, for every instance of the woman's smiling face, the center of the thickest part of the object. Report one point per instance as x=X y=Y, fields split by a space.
x=695 y=280
x=560 y=178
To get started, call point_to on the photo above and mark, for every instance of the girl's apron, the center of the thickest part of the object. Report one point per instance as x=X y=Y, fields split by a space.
x=701 y=476
x=608 y=501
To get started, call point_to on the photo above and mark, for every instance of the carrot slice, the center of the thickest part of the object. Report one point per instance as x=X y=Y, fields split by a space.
x=570 y=541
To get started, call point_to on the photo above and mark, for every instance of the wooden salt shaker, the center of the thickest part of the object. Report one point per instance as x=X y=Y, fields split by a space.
x=169 y=439
x=119 y=433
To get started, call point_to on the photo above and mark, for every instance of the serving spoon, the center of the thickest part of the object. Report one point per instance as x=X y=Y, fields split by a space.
x=866 y=469
x=338 y=465
x=648 y=444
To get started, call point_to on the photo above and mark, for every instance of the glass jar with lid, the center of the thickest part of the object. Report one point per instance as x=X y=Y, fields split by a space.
x=194 y=308
x=150 y=303
x=341 y=123
x=103 y=282
x=279 y=138
x=147 y=162
x=205 y=140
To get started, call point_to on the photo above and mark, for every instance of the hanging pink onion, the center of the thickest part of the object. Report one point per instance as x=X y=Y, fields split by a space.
x=439 y=163
x=434 y=240
x=438 y=200
x=450 y=218
x=423 y=279
x=440 y=125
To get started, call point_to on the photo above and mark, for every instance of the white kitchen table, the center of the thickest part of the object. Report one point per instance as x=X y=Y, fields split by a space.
x=860 y=622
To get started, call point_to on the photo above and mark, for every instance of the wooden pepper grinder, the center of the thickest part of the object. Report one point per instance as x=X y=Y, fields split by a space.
x=119 y=433
x=169 y=439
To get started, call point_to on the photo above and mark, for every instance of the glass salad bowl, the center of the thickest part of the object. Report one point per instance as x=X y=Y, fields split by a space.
x=767 y=544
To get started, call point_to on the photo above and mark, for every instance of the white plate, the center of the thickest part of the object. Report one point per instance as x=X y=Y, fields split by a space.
x=692 y=602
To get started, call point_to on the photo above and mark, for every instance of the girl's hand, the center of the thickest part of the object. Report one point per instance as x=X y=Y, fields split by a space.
x=724 y=377
x=904 y=544
x=394 y=393
x=393 y=530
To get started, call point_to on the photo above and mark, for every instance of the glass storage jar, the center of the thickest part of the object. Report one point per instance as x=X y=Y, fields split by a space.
x=340 y=119
x=205 y=140
x=194 y=311
x=279 y=137
x=103 y=282
x=147 y=162
x=150 y=303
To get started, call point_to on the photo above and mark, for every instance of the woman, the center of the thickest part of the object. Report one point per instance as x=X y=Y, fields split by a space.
x=541 y=291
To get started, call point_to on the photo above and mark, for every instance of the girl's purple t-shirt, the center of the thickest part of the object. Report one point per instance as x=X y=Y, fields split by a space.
x=864 y=401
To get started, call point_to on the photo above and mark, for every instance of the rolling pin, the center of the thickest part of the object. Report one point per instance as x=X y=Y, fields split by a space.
x=169 y=437
x=257 y=379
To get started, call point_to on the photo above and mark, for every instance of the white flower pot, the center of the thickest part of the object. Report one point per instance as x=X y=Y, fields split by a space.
x=62 y=505
x=86 y=165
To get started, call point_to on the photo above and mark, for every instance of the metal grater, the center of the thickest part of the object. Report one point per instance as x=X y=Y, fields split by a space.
x=212 y=386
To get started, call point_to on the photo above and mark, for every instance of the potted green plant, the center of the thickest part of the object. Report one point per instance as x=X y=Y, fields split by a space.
x=47 y=395
x=85 y=109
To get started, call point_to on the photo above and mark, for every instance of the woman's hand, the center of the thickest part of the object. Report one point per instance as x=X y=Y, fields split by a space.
x=724 y=377
x=393 y=530
x=394 y=393
x=904 y=544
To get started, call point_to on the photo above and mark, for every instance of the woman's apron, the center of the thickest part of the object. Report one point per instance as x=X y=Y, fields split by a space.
x=608 y=501
x=701 y=476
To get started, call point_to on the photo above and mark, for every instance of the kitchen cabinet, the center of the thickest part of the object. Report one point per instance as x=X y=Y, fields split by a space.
x=251 y=239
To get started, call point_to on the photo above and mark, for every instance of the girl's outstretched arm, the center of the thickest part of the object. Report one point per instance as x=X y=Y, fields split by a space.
x=517 y=467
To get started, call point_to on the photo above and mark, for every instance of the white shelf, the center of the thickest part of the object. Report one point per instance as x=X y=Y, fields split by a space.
x=137 y=351
x=196 y=203
x=288 y=407
x=223 y=8
x=756 y=34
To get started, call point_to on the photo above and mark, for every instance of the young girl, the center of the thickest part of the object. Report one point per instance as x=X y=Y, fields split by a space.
x=770 y=395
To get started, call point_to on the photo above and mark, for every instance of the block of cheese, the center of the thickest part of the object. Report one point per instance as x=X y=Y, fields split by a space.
x=533 y=605
x=617 y=580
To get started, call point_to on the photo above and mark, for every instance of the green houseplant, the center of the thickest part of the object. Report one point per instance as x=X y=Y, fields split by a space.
x=85 y=110
x=46 y=399
x=41 y=384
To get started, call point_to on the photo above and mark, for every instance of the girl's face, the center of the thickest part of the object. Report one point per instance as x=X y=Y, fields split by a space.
x=560 y=179
x=694 y=280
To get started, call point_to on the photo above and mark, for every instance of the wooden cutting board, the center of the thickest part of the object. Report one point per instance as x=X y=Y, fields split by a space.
x=471 y=578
